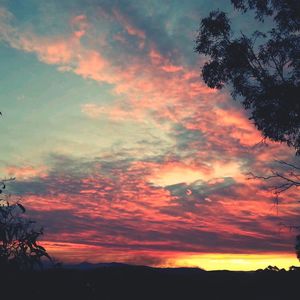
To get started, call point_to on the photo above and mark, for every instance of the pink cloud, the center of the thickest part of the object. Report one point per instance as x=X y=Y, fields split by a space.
x=172 y=68
x=128 y=26
x=153 y=218
x=150 y=83
x=54 y=51
x=92 y=65
x=80 y=25
x=26 y=172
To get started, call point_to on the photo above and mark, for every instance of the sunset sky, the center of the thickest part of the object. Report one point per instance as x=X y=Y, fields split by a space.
x=120 y=150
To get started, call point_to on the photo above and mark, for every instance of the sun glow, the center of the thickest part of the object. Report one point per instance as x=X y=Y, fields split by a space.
x=237 y=262
x=76 y=253
x=178 y=173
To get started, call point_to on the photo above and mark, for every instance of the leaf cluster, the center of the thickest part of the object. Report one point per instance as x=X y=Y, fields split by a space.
x=262 y=69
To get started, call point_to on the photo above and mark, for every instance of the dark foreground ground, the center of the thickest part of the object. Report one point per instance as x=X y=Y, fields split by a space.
x=143 y=283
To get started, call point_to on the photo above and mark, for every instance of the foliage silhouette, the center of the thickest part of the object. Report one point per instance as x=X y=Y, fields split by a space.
x=263 y=73
x=297 y=246
x=19 y=249
x=262 y=69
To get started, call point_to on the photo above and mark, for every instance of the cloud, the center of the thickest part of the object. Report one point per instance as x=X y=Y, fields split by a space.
x=111 y=205
x=25 y=172
x=181 y=189
x=129 y=27
x=80 y=25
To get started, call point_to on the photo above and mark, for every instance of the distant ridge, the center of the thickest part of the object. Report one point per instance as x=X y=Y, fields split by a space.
x=91 y=266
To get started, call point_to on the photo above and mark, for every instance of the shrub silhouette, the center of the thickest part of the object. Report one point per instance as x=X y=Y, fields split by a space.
x=19 y=249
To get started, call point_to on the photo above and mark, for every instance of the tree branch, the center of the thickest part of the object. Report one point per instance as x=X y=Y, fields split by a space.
x=284 y=180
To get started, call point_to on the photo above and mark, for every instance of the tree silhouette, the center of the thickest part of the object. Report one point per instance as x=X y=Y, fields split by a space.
x=297 y=246
x=19 y=249
x=262 y=69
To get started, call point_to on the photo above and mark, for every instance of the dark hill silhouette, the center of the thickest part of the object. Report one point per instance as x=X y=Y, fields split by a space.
x=90 y=266
x=121 y=281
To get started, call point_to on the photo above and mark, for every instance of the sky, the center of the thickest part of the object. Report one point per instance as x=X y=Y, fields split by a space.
x=119 y=149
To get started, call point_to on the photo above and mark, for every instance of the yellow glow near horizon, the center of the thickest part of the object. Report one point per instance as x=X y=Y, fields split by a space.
x=75 y=253
x=173 y=174
x=176 y=175
x=237 y=262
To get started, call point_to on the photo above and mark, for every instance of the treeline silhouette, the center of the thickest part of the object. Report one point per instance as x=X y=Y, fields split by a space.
x=137 y=282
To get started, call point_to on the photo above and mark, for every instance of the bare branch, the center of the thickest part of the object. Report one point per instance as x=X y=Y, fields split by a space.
x=283 y=181
x=287 y=164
